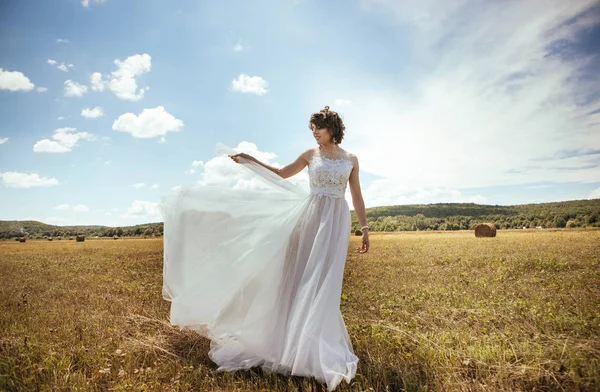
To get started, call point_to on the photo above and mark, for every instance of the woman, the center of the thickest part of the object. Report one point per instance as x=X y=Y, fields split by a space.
x=259 y=271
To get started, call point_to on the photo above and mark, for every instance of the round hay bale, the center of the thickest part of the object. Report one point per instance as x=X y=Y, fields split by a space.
x=358 y=232
x=49 y=239
x=116 y=238
x=22 y=239
x=485 y=230
x=80 y=238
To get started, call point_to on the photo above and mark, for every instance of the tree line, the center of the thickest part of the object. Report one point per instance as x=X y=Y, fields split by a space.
x=39 y=230
x=463 y=216
x=414 y=217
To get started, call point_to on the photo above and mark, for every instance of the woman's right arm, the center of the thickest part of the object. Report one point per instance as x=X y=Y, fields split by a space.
x=287 y=171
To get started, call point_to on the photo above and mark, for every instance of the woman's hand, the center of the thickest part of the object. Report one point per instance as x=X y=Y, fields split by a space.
x=236 y=157
x=365 y=243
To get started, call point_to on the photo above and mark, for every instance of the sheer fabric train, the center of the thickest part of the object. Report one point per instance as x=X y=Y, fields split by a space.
x=259 y=271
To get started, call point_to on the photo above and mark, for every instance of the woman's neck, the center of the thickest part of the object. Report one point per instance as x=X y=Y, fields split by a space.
x=330 y=148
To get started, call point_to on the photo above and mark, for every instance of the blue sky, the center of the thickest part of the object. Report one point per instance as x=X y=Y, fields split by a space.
x=107 y=105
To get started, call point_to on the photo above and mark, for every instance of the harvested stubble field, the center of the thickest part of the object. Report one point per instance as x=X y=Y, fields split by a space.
x=425 y=311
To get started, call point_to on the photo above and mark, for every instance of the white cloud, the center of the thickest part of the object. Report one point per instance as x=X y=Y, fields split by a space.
x=122 y=82
x=97 y=83
x=154 y=186
x=238 y=47
x=92 y=112
x=41 y=89
x=385 y=192
x=62 y=207
x=14 y=81
x=60 y=118
x=64 y=141
x=595 y=194
x=74 y=89
x=150 y=123
x=86 y=3
x=46 y=145
x=195 y=165
x=26 y=180
x=139 y=185
x=249 y=84
x=494 y=93
x=62 y=41
x=3 y=140
x=142 y=208
x=62 y=66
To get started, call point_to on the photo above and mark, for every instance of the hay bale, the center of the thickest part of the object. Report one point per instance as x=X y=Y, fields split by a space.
x=22 y=239
x=485 y=230
x=49 y=239
x=358 y=232
x=80 y=238
x=115 y=237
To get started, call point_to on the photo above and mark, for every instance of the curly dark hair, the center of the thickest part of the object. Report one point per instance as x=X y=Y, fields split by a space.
x=331 y=120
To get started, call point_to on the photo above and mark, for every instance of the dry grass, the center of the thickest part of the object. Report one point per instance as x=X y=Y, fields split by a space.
x=425 y=311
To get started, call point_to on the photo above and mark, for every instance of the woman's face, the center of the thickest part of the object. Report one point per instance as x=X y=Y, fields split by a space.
x=321 y=135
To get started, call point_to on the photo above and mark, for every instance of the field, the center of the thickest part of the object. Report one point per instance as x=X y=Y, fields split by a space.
x=435 y=311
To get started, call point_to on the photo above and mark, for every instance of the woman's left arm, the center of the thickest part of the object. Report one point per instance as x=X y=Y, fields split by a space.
x=359 y=205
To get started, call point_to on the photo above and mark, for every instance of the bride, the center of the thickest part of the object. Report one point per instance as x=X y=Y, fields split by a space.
x=259 y=271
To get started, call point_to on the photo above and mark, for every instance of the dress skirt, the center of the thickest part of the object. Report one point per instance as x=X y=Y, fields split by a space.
x=259 y=272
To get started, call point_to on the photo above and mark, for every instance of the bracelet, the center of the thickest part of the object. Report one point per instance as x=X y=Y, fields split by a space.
x=364 y=227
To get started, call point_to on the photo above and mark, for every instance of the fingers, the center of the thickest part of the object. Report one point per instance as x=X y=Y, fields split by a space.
x=363 y=249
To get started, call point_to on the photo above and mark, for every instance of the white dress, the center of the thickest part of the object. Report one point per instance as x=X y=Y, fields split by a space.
x=259 y=271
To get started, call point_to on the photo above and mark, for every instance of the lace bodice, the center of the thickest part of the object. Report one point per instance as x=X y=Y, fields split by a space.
x=329 y=176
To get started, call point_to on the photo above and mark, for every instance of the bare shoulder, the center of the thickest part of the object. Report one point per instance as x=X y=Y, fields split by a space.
x=351 y=157
x=308 y=153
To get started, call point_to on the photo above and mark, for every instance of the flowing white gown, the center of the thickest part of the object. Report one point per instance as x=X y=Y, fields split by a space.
x=259 y=271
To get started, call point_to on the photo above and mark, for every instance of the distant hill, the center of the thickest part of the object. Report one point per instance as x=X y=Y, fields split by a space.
x=462 y=216
x=35 y=229
x=438 y=216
